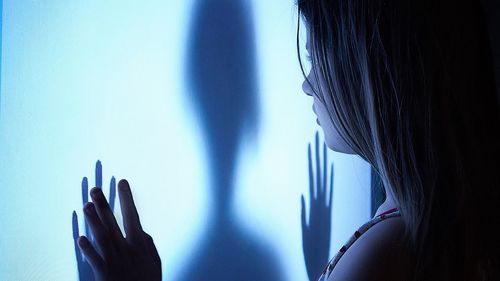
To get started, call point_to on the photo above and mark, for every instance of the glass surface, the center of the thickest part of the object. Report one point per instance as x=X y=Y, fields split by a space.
x=130 y=83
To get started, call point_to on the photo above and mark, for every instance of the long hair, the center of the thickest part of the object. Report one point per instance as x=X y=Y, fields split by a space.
x=410 y=88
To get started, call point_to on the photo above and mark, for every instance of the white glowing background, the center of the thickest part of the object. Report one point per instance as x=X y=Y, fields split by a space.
x=87 y=80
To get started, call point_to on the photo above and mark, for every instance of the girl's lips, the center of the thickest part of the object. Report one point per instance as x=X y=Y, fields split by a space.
x=317 y=121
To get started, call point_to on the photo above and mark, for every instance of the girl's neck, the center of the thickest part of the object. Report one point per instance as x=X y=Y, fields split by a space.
x=388 y=204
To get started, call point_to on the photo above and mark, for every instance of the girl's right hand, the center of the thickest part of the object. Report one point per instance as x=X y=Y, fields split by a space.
x=115 y=258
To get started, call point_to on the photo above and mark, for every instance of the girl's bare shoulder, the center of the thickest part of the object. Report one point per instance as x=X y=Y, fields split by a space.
x=379 y=254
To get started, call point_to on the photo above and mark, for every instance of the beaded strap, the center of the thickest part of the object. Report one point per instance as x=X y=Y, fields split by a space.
x=329 y=267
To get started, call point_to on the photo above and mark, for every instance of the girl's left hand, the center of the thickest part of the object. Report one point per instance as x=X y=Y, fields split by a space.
x=117 y=258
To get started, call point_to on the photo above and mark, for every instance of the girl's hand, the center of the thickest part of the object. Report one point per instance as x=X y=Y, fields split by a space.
x=115 y=257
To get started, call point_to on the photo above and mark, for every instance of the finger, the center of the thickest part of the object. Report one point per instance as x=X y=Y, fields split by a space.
x=318 y=169
x=311 y=176
x=305 y=227
x=106 y=215
x=92 y=256
x=85 y=199
x=112 y=194
x=76 y=234
x=331 y=189
x=131 y=221
x=100 y=233
x=85 y=191
x=303 y=213
x=98 y=174
x=152 y=249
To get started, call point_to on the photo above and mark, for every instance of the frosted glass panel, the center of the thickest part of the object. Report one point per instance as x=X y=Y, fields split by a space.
x=198 y=105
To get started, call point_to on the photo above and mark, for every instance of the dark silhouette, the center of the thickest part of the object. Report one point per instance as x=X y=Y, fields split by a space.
x=492 y=13
x=84 y=270
x=316 y=231
x=221 y=73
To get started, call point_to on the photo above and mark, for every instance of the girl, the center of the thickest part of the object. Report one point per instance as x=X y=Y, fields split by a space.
x=408 y=86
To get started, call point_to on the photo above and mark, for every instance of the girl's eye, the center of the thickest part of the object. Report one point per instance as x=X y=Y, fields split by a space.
x=309 y=58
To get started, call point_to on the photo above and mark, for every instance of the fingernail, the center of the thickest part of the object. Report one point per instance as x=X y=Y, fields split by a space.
x=95 y=191
x=89 y=208
x=123 y=184
x=82 y=242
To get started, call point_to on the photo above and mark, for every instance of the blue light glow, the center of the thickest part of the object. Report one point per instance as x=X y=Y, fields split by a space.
x=88 y=80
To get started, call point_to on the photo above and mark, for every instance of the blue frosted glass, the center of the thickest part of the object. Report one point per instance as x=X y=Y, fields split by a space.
x=132 y=84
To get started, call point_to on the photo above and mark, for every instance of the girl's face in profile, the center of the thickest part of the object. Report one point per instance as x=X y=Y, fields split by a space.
x=332 y=137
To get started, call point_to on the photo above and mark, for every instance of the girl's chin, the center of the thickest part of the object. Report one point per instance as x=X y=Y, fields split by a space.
x=337 y=147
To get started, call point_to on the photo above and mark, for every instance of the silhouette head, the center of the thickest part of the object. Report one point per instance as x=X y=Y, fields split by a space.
x=221 y=75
